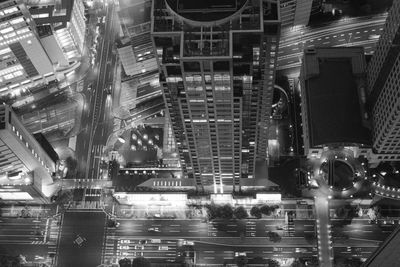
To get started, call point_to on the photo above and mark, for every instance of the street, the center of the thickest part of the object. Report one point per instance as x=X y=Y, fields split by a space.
x=363 y=31
x=214 y=241
x=34 y=238
x=81 y=239
x=96 y=123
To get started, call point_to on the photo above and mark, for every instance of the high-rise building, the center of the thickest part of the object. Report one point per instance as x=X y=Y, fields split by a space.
x=332 y=113
x=26 y=166
x=61 y=27
x=23 y=61
x=384 y=89
x=297 y=12
x=217 y=62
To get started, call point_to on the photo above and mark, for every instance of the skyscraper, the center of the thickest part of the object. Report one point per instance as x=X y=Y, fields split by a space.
x=384 y=89
x=23 y=59
x=61 y=27
x=217 y=64
x=296 y=12
x=25 y=166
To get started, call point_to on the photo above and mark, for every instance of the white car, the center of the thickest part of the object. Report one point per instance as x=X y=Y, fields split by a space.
x=123 y=247
x=154 y=229
x=237 y=254
x=125 y=241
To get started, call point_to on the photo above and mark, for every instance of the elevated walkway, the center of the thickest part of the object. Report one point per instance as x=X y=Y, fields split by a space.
x=85 y=183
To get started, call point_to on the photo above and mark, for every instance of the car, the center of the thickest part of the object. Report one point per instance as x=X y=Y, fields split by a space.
x=188 y=243
x=277 y=249
x=237 y=254
x=143 y=241
x=163 y=248
x=123 y=253
x=139 y=247
x=153 y=229
x=125 y=241
x=123 y=247
x=301 y=250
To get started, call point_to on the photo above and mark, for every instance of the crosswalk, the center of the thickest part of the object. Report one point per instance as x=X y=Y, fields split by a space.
x=41 y=242
x=212 y=230
x=110 y=253
x=250 y=228
x=53 y=230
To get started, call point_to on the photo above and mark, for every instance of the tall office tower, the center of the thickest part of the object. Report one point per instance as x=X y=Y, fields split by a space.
x=61 y=26
x=217 y=62
x=297 y=12
x=26 y=165
x=23 y=61
x=384 y=89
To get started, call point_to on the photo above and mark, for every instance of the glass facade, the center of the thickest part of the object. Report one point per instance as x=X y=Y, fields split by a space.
x=217 y=81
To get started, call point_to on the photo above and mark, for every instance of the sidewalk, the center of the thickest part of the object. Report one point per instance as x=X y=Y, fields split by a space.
x=25 y=211
x=254 y=241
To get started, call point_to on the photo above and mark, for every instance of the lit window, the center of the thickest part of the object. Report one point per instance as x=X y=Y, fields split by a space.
x=10 y=10
x=8 y=76
x=5 y=50
x=18 y=73
x=6 y=30
x=10 y=35
x=18 y=20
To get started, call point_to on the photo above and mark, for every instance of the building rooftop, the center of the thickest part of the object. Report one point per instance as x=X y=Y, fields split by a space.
x=333 y=105
x=132 y=13
x=206 y=10
x=387 y=253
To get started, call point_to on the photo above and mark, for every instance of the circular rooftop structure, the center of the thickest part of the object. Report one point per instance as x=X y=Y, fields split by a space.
x=338 y=173
x=202 y=11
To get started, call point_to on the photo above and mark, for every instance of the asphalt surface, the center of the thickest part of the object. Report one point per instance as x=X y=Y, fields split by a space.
x=32 y=237
x=90 y=226
x=212 y=240
x=361 y=31
x=96 y=119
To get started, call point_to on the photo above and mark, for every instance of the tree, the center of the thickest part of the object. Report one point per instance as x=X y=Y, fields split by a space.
x=265 y=209
x=125 y=262
x=226 y=212
x=240 y=213
x=298 y=263
x=212 y=212
x=241 y=261
x=11 y=261
x=274 y=237
x=272 y=263
x=141 y=262
x=255 y=212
